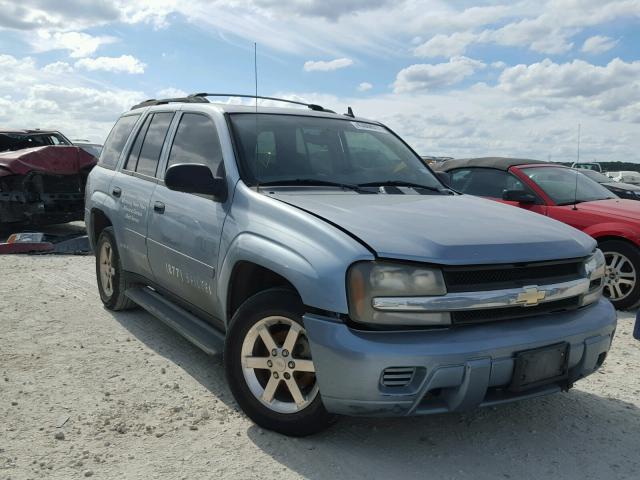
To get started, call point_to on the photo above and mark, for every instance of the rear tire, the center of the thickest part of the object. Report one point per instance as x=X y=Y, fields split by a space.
x=269 y=368
x=622 y=273
x=112 y=281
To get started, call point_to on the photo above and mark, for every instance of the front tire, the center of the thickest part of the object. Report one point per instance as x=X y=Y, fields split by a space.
x=112 y=282
x=269 y=368
x=622 y=272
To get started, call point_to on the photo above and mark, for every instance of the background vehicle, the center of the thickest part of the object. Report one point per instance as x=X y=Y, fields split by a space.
x=336 y=272
x=42 y=178
x=12 y=140
x=622 y=190
x=625 y=177
x=593 y=166
x=550 y=189
x=91 y=148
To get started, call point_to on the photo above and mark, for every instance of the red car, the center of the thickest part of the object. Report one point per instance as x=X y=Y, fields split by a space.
x=563 y=194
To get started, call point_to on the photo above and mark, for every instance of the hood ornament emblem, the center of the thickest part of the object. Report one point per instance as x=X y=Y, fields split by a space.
x=530 y=296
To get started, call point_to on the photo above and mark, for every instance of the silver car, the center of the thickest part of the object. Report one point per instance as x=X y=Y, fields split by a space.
x=333 y=270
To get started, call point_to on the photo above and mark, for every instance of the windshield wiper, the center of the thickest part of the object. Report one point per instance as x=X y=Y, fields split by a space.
x=313 y=182
x=401 y=183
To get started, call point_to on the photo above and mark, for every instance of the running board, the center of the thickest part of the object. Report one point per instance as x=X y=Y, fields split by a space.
x=201 y=334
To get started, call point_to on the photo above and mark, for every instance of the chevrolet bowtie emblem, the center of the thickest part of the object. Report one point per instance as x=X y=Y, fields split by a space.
x=530 y=296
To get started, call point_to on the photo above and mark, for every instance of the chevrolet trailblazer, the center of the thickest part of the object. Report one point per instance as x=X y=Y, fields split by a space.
x=333 y=269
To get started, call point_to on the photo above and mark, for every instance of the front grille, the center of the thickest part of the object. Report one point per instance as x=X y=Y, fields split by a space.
x=472 y=317
x=496 y=277
x=397 y=376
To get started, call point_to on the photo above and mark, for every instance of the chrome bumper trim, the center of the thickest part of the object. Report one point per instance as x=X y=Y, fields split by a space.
x=527 y=296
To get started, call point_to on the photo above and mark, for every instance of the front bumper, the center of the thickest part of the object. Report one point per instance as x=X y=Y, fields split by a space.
x=456 y=369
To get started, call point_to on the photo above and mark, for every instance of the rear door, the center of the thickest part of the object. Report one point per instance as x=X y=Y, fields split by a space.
x=185 y=229
x=132 y=188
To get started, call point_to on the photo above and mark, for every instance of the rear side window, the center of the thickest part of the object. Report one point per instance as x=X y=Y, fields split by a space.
x=145 y=152
x=152 y=146
x=116 y=140
x=197 y=141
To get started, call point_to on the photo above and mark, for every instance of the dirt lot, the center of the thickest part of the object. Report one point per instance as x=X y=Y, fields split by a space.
x=88 y=393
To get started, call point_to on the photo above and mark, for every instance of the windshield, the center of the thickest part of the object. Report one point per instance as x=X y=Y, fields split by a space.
x=303 y=149
x=597 y=176
x=18 y=141
x=560 y=184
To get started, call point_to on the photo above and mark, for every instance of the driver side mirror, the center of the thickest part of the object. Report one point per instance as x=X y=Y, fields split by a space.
x=195 y=178
x=519 y=196
x=444 y=177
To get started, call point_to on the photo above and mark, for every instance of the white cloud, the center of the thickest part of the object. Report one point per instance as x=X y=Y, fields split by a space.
x=58 y=67
x=575 y=79
x=79 y=44
x=51 y=97
x=446 y=45
x=499 y=65
x=523 y=113
x=427 y=76
x=364 y=86
x=598 y=44
x=123 y=64
x=171 y=92
x=327 y=66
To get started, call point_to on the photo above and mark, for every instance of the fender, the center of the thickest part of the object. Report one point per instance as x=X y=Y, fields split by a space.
x=613 y=229
x=284 y=261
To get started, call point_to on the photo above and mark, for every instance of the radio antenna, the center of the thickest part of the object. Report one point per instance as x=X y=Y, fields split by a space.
x=577 y=170
x=255 y=70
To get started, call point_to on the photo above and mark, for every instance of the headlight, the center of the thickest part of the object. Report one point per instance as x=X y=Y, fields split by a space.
x=380 y=282
x=594 y=268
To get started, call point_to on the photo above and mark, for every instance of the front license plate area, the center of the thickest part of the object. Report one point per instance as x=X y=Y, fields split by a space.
x=540 y=366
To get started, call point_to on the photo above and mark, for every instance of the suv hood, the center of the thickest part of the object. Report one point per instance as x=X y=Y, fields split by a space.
x=450 y=230
x=613 y=208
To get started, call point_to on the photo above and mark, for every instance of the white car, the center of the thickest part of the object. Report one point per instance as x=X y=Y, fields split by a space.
x=625 y=177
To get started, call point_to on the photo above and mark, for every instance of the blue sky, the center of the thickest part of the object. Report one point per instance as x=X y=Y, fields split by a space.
x=455 y=78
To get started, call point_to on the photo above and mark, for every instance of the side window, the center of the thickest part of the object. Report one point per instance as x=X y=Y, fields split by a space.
x=485 y=182
x=152 y=145
x=196 y=141
x=132 y=160
x=116 y=140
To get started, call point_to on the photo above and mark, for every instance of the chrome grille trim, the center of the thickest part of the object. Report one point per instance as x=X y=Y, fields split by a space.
x=458 y=301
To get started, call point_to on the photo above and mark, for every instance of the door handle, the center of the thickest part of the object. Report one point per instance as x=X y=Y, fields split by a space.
x=158 y=207
x=117 y=191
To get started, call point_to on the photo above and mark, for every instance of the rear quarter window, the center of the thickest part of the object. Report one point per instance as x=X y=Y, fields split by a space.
x=116 y=141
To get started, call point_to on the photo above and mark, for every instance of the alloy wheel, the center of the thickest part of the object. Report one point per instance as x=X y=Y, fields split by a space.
x=107 y=270
x=277 y=366
x=620 y=276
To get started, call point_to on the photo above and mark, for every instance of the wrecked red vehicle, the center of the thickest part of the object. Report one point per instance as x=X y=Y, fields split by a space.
x=43 y=185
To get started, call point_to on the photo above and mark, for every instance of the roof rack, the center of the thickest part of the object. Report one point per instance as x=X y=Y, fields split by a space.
x=202 y=98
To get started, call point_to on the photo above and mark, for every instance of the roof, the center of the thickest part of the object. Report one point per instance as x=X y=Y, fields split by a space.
x=499 y=163
x=26 y=131
x=200 y=99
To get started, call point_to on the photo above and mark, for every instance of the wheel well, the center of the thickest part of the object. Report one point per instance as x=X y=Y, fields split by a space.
x=99 y=221
x=610 y=237
x=247 y=279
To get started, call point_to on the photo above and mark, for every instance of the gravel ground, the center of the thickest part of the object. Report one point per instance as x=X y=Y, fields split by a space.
x=85 y=392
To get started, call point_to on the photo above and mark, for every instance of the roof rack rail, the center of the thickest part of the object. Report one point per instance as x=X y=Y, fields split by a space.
x=202 y=98
x=163 y=101
x=311 y=106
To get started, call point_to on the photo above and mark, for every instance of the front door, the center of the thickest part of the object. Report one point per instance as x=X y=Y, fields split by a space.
x=184 y=229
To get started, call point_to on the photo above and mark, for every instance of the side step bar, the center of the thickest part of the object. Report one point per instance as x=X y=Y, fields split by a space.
x=186 y=324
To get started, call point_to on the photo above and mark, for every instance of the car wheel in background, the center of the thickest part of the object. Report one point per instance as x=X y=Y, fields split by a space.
x=622 y=273
x=112 y=282
x=269 y=368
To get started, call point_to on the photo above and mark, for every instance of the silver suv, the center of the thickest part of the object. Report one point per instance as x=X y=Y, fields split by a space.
x=334 y=270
